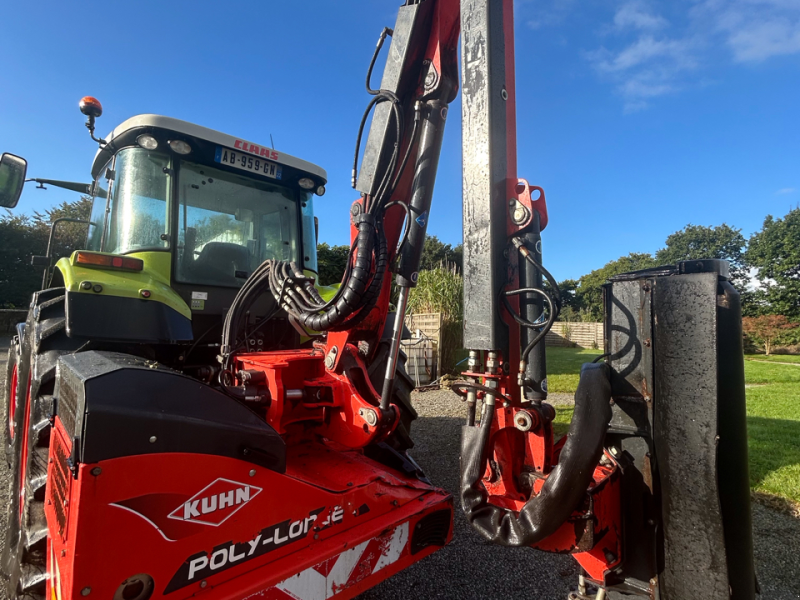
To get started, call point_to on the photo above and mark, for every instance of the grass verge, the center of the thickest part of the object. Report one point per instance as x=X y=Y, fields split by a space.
x=778 y=358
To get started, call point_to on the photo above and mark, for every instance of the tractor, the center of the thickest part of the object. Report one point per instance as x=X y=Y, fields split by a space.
x=181 y=216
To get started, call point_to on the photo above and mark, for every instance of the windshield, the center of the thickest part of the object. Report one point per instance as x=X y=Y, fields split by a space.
x=135 y=216
x=228 y=225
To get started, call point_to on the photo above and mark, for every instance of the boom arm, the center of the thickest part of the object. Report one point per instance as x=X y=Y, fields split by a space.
x=592 y=493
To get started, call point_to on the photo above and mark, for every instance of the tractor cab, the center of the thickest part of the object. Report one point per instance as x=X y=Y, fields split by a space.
x=218 y=205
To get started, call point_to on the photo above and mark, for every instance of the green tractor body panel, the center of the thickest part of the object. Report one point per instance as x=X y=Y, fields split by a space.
x=154 y=278
x=106 y=303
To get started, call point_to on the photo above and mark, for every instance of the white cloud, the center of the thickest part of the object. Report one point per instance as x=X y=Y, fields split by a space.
x=547 y=13
x=645 y=56
x=753 y=30
x=647 y=50
x=784 y=191
x=646 y=68
x=634 y=15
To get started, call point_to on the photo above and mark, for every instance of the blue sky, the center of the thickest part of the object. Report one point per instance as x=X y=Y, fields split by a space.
x=637 y=117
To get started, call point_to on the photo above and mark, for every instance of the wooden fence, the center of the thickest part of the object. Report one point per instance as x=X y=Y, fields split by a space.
x=584 y=335
x=425 y=354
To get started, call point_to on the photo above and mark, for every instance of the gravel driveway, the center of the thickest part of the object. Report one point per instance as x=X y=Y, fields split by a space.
x=469 y=568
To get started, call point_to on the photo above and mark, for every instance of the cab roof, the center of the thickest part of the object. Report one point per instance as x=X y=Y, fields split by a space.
x=184 y=128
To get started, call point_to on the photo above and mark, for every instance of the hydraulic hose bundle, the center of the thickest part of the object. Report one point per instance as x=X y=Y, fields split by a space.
x=566 y=485
x=369 y=257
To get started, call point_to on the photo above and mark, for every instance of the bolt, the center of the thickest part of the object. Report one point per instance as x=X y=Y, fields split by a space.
x=369 y=416
x=63 y=553
x=647 y=343
x=653 y=581
x=96 y=471
x=252 y=472
x=153 y=439
x=86 y=591
x=614 y=451
x=330 y=358
x=203 y=583
x=145 y=293
x=66 y=502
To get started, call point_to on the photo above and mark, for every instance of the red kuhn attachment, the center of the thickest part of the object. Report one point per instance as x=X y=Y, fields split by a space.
x=133 y=508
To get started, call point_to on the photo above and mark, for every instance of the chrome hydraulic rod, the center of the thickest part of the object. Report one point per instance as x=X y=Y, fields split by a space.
x=394 y=351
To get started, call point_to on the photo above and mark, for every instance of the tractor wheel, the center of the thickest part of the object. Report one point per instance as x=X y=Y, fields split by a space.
x=25 y=552
x=400 y=439
x=10 y=399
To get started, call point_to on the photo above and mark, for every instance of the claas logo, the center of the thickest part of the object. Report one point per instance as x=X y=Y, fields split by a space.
x=215 y=503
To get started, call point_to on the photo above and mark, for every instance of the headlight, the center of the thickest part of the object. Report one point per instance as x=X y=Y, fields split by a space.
x=321 y=190
x=306 y=183
x=148 y=142
x=180 y=147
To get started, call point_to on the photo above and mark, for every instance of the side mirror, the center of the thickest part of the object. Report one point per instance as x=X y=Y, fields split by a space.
x=12 y=178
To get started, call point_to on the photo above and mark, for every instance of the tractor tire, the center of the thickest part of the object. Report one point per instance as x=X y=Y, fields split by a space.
x=400 y=439
x=10 y=399
x=25 y=553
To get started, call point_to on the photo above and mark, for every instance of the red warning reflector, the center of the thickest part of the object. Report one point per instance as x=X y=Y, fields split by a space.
x=93 y=259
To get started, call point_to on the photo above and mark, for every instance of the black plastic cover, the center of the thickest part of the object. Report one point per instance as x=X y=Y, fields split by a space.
x=104 y=317
x=116 y=405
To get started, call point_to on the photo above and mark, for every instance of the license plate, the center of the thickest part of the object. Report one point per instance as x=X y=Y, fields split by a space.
x=247 y=162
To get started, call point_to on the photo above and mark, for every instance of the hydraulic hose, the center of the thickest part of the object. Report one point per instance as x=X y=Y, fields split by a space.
x=566 y=485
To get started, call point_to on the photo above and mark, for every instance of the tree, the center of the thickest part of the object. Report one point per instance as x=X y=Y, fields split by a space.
x=695 y=242
x=589 y=294
x=331 y=263
x=767 y=330
x=775 y=252
x=19 y=240
x=571 y=306
x=436 y=253
x=69 y=236
x=22 y=237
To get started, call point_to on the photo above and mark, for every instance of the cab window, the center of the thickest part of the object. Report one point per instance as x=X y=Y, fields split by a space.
x=229 y=224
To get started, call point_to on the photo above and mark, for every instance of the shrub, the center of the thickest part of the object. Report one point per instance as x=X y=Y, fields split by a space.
x=441 y=290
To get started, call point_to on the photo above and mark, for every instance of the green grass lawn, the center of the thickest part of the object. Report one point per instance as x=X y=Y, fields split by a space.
x=563 y=372
x=773 y=428
x=773 y=416
x=564 y=367
x=786 y=358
